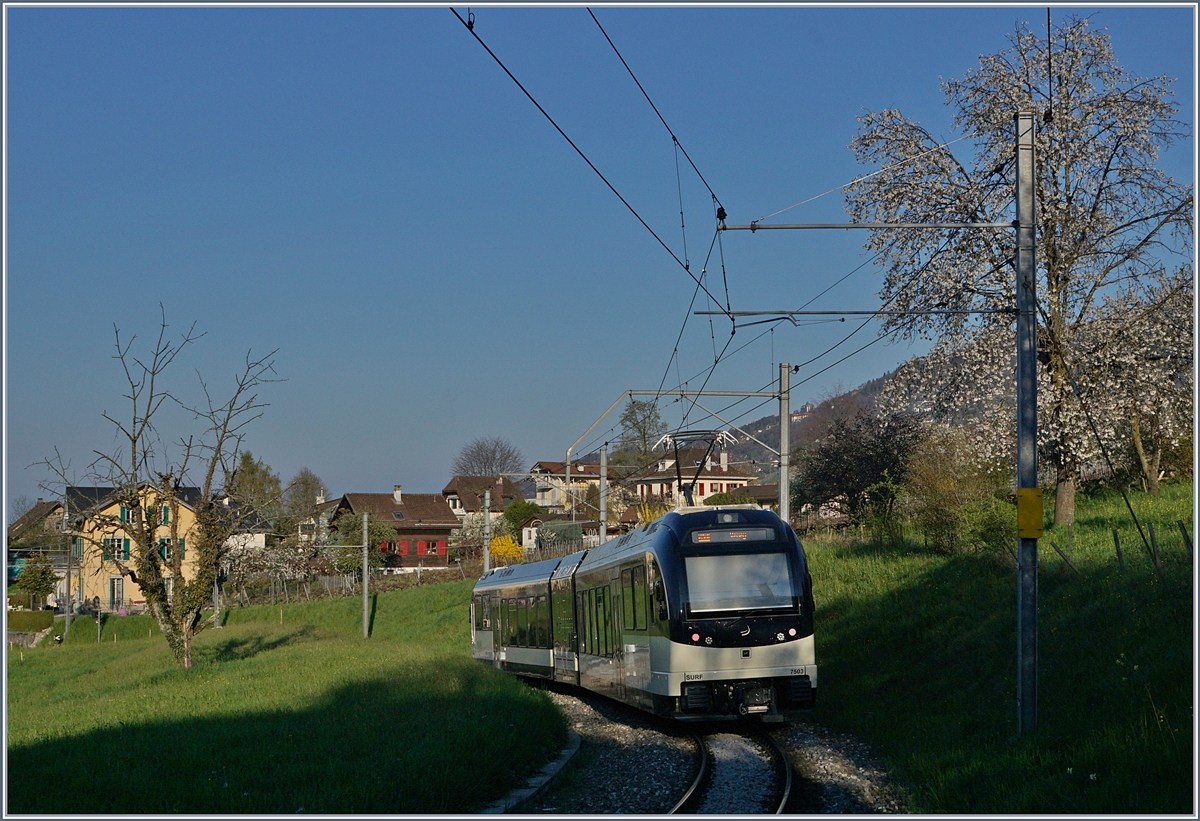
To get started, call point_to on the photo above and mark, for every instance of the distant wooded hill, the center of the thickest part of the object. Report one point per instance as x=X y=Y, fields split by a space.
x=804 y=431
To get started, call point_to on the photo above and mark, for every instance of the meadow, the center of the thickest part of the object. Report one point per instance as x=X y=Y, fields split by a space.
x=284 y=711
x=291 y=710
x=918 y=654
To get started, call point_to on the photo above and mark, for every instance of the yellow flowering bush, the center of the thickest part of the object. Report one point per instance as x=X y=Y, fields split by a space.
x=506 y=550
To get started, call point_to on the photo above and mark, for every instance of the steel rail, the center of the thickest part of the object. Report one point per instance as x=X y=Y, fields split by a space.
x=785 y=766
x=701 y=775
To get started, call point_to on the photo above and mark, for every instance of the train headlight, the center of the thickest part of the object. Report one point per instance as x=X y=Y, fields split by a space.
x=695 y=637
x=779 y=636
x=791 y=631
x=708 y=639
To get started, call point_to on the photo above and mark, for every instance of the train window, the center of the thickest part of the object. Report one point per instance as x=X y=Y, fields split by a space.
x=602 y=622
x=639 y=598
x=535 y=623
x=522 y=623
x=627 y=597
x=547 y=639
x=736 y=582
x=633 y=587
x=512 y=622
x=585 y=631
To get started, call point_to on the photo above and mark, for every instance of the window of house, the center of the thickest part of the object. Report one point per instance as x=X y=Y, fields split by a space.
x=114 y=546
x=116 y=592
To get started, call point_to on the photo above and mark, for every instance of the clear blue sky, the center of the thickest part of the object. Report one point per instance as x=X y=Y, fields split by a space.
x=364 y=189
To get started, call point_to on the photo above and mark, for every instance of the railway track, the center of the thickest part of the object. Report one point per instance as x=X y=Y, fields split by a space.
x=738 y=772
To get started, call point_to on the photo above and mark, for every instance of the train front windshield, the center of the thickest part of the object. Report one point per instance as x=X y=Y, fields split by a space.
x=739 y=582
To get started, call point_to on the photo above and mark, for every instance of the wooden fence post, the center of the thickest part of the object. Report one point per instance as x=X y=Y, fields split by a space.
x=1187 y=540
x=1064 y=558
x=1154 y=551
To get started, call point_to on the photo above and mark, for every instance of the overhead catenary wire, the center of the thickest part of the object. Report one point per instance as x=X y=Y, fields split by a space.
x=674 y=139
x=864 y=177
x=584 y=157
x=912 y=277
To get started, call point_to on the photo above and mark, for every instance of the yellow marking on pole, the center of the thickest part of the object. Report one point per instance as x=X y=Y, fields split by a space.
x=1029 y=512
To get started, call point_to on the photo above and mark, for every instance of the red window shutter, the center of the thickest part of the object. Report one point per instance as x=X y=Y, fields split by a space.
x=441 y=548
x=404 y=548
x=701 y=488
x=420 y=548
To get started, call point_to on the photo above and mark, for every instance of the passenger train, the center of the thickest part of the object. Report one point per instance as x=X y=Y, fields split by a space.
x=703 y=614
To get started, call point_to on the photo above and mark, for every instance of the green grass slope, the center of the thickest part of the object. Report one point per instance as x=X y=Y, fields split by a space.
x=918 y=653
x=303 y=716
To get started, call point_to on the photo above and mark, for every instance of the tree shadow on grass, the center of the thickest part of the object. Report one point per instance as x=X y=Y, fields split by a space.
x=424 y=741
x=244 y=647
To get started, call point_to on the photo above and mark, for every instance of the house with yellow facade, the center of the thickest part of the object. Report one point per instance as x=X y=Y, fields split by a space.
x=102 y=541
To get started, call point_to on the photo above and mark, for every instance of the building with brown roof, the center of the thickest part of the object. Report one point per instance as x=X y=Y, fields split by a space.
x=551 y=481
x=423 y=522
x=464 y=494
x=663 y=478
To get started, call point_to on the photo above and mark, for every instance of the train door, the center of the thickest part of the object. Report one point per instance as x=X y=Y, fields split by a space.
x=563 y=630
x=618 y=638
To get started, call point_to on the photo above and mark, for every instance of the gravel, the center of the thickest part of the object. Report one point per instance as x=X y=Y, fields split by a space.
x=841 y=770
x=629 y=762
x=743 y=776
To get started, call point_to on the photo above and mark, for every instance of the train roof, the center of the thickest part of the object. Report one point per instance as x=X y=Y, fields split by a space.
x=677 y=520
x=518 y=574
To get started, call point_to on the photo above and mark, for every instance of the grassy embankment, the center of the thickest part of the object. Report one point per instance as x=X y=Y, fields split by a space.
x=275 y=718
x=918 y=654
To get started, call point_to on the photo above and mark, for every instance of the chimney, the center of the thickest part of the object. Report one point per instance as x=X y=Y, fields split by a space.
x=320 y=498
x=724 y=461
x=396 y=495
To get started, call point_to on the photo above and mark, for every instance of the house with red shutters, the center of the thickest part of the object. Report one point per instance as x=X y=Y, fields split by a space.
x=423 y=522
x=662 y=479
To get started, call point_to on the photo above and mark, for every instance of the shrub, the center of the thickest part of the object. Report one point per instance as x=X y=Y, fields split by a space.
x=857 y=465
x=37 y=577
x=505 y=549
x=29 y=621
x=952 y=498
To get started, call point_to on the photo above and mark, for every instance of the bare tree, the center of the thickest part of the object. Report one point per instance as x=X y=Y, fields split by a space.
x=18 y=507
x=488 y=456
x=147 y=478
x=1107 y=216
